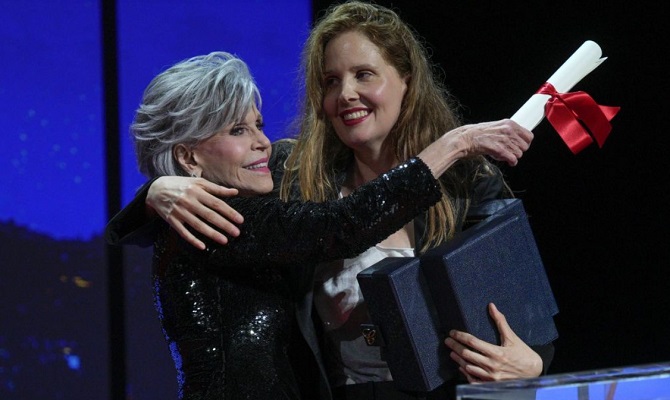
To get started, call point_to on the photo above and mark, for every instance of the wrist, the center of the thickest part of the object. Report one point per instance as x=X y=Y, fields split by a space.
x=442 y=154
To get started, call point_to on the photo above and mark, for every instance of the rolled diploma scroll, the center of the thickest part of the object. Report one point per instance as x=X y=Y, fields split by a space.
x=581 y=63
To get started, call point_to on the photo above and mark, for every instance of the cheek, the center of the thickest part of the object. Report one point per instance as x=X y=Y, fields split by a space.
x=329 y=105
x=222 y=160
x=384 y=94
x=391 y=92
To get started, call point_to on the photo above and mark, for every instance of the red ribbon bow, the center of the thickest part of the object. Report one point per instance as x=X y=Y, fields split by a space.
x=574 y=115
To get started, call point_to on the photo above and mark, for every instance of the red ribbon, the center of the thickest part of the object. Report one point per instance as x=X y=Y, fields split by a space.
x=577 y=117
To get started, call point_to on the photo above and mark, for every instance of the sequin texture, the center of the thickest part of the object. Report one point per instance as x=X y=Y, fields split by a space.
x=228 y=313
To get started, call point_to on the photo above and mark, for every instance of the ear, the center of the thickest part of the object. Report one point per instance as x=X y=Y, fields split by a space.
x=185 y=156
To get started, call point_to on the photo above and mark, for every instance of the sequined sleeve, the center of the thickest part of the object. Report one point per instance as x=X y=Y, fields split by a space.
x=285 y=232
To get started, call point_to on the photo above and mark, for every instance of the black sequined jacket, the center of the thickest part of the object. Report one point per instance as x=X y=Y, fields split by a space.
x=228 y=313
x=306 y=368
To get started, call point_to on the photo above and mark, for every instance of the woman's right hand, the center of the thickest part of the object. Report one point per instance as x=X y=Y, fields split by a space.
x=503 y=140
x=193 y=202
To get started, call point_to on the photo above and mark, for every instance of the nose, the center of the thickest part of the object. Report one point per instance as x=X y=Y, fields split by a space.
x=262 y=142
x=348 y=92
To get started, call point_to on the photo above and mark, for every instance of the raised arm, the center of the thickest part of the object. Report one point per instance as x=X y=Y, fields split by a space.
x=179 y=201
x=503 y=140
x=279 y=231
x=188 y=205
x=196 y=203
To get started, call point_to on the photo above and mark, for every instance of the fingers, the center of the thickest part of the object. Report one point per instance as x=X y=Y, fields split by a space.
x=216 y=210
x=190 y=213
x=220 y=214
x=470 y=378
x=193 y=202
x=513 y=141
x=503 y=140
x=475 y=366
x=468 y=348
x=188 y=236
x=482 y=361
x=465 y=341
x=218 y=205
x=506 y=332
x=472 y=373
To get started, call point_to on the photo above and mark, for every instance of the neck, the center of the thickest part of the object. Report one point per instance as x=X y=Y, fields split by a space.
x=366 y=168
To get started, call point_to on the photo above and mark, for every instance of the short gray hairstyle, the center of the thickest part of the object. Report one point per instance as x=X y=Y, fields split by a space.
x=188 y=103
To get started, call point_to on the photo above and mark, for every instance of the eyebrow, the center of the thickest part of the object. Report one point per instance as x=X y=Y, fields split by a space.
x=354 y=67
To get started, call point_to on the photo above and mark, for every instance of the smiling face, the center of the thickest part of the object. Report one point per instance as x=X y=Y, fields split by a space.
x=362 y=92
x=236 y=157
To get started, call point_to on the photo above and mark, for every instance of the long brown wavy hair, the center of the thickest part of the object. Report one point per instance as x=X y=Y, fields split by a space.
x=427 y=112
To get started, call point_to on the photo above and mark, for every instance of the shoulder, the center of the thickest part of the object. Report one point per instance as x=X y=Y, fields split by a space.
x=281 y=149
x=477 y=179
x=489 y=183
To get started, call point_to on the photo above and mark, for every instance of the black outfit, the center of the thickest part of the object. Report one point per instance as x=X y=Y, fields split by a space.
x=269 y=287
x=228 y=313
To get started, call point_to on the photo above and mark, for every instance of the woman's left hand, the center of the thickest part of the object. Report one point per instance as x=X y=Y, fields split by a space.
x=481 y=361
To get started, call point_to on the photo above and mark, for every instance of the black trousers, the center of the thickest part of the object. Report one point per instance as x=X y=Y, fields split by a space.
x=388 y=391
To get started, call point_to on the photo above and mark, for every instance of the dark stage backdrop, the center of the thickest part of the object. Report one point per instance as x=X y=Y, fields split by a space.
x=600 y=217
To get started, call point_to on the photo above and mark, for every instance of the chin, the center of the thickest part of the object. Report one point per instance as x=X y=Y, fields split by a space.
x=265 y=190
x=255 y=191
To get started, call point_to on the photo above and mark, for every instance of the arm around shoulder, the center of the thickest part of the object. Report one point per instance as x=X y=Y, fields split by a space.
x=133 y=224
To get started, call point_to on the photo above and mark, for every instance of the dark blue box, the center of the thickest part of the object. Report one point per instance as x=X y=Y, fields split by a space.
x=403 y=314
x=414 y=302
x=495 y=261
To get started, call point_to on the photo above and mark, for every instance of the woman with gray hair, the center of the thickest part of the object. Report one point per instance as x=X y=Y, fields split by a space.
x=220 y=91
x=228 y=312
